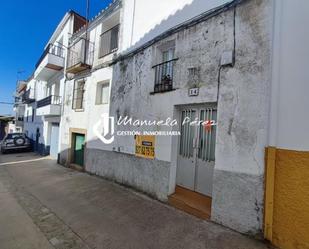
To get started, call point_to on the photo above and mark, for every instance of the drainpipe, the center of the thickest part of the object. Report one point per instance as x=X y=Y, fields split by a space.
x=275 y=74
x=133 y=22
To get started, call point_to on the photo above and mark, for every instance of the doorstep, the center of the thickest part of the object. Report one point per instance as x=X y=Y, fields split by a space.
x=76 y=167
x=191 y=202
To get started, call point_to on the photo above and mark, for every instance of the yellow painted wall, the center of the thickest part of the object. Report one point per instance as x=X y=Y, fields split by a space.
x=290 y=224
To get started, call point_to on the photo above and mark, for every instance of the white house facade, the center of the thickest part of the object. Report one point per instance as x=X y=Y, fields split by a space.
x=41 y=101
x=221 y=56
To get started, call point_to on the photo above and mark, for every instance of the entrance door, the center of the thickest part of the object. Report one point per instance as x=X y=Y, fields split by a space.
x=196 y=157
x=78 y=149
x=54 y=140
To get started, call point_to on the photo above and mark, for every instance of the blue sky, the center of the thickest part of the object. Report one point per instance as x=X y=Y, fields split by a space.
x=25 y=28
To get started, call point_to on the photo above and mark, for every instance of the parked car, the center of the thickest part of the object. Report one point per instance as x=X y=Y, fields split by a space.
x=15 y=141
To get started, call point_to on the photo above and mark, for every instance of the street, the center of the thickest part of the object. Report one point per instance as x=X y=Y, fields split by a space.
x=44 y=205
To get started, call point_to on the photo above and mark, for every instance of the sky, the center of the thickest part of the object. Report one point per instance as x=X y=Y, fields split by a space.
x=26 y=27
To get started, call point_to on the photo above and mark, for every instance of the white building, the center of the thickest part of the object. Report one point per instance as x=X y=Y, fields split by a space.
x=32 y=124
x=42 y=98
x=19 y=107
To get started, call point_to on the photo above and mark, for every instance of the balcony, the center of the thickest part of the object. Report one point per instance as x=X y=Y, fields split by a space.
x=164 y=76
x=17 y=101
x=28 y=96
x=49 y=106
x=80 y=56
x=51 y=62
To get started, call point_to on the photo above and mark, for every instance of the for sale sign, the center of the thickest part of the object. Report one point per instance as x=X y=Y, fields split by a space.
x=145 y=146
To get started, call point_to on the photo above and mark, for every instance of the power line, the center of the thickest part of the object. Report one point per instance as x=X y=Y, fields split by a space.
x=6 y=103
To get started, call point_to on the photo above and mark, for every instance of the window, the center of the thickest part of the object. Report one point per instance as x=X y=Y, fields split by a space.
x=168 y=54
x=78 y=95
x=109 y=41
x=164 y=71
x=27 y=116
x=167 y=68
x=102 y=96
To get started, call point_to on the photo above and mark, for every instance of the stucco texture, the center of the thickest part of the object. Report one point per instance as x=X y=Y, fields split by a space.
x=243 y=122
x=148 y=176
x=243 y=103
x=291 y=200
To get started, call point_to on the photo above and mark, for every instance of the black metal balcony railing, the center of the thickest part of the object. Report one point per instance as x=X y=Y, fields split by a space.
x=81 y=52
x=164 y=76
x=28 y=96
x=17 y=100
x=51 y=49
x=50 y=100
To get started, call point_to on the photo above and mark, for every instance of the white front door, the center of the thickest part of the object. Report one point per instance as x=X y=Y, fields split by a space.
x=196 y=155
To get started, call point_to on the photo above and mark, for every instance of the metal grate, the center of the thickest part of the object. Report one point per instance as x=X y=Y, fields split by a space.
x=81 y=52
x=187 y=134
x=28 y=96
x=78 y=95
x=51 y=49
x=199 y=139
x=207 y=136
x=50 y=100
x=164 y=76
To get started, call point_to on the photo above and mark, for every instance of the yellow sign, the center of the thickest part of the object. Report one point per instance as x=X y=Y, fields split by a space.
x=145 y=146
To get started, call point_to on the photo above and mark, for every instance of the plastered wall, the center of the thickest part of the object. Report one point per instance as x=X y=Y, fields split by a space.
x=291 y=200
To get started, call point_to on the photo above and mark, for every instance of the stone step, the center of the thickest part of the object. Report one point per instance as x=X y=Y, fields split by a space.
x=191 y=202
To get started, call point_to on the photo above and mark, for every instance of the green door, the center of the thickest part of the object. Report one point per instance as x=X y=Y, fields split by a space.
x=79 y=144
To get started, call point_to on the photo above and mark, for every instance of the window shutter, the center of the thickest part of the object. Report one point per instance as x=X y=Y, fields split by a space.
x=114 y=38
x=105 y=43
x=109 y=41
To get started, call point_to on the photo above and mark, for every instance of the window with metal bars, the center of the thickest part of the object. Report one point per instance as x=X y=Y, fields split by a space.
x=207 y=135
x=78 y=95
x=187 y=134
x=164 y=72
